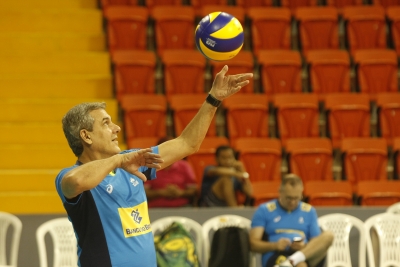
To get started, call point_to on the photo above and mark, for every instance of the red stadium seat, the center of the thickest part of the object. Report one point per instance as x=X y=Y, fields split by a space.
x=364 y=159
x=376 y=71
x=262 y=158
x=310 y=158
x=386 y=3
x=265 y=191
x=134 y=72
x=329 y=193
x=348 y=116
x=236 y=11
x=106 y=3
x=378 y=193
x=253 y=3
x=241 y=63
x=144 y=115
x=294 y=4
x=280 y=71
x=297 y=115
x=365 y=27
x=340 y=4
x=157 y=3
x=270 y=28
x=329 y=71
x=126 y=27
x=247 y=116
x=183 y=72
x=184 y=108
x=318 y=28
x=389 y=116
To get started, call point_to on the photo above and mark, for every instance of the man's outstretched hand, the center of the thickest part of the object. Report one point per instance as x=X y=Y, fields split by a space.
x=144 y=157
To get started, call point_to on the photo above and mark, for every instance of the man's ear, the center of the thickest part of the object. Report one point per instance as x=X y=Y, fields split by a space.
x=85 y=135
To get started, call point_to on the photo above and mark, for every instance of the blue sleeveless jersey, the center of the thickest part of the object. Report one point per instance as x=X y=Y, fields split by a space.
x=111 y=221
x=279 y=223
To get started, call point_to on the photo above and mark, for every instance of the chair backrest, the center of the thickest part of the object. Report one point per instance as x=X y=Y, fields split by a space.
x=264 y=191
x=348 y=116
x=297 y=115
x=236 y=11
x=394 y=208
x=7 y=220
x=387 y=227
x=270 y=28
x=329 y=71
x=318 y=28
x=280 y=71
x=329 y=193
x=247 y=116
x=64 y=243
x=378 y=193
x=389 y=116
x=253 y=3
x=213 y=224
x=193 y=227
x=365 y=27
x=339 y=252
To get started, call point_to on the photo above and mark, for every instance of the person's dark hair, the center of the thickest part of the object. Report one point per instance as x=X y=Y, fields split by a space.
x=76 y=119
x=222 y=148
x=291 y=179
x=164 y=139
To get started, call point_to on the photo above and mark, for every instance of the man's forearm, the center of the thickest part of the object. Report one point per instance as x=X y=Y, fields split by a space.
x=260 y=246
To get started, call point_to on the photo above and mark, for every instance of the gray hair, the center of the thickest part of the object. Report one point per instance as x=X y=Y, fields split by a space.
x=76 y=119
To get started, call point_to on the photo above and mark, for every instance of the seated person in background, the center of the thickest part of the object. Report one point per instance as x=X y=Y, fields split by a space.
x=286 y=230
x=221 y=182
x=175 y=185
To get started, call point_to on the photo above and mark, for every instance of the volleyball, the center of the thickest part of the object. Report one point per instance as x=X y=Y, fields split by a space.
x=219 y=36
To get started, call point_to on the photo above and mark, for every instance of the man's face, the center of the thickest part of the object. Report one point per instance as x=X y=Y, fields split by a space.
x=290 y=196
x=104 y=135
x=226 y=158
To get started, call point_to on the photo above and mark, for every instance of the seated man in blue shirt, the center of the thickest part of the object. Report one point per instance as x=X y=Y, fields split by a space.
x=286 y=230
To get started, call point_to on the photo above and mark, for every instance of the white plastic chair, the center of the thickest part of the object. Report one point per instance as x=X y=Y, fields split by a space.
x=394 y=208
x=387 y=227
x=64 y=243
x=7 y=220
x=213 y=224
x=340 y=225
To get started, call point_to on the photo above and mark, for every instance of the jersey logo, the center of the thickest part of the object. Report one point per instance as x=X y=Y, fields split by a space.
x=135 y=220
x=134 y=182
x=109 y=188
x=305 y=207
x=301 y=220
x=277 y=219
x=271 y=206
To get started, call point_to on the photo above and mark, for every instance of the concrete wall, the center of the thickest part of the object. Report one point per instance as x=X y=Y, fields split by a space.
x=28 y=254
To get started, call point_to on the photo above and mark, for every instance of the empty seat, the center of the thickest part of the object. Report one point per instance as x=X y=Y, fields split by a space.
x=329 y=193
x=241 y=63
x=393 y=15
x=270 y=28
x=376 y=71
x=134 y=72
x=126 y=27
x=389 y=116
x=236 y=11
x=364 y=159
x=378 y=193
x=205 y=155
x=183 y=71
x=246 y=116
x=262 y=158
x=156 y=3
x=296 y=115
x=348 y=116
x=280 y=71
x=310 y=158
x=340 y=4
x=184 y=108
x=105 y=3
x=329 y=71
x=253 y=3
x=318 y=28
x=264 y=191
x=365 y=27
x=144 y=115
x=386 y=3
x=174 y=27
x=294 y=4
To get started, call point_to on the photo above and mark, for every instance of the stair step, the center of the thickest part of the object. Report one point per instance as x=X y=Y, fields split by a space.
x=56 y=86
x=52 y=42
x=29 y=4
x=51 y=20
x=46 y=110
x=55 y=63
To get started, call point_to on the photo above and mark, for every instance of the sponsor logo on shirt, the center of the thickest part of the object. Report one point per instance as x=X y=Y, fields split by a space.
x=135 y=220
x=109 y=188
x=134 y=182
x=277 y=219
x=301 y=220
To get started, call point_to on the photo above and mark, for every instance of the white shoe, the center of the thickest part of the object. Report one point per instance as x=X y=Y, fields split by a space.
x=286 y=263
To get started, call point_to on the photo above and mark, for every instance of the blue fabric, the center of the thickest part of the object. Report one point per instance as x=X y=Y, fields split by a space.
x=279 y=223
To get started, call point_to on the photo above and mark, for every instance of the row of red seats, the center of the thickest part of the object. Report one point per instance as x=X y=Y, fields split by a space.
x=280 y=71
x=270 y=27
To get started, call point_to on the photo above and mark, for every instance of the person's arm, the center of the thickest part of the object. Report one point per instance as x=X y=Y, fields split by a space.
x=89 y=175
x=260 y=246
x=192 y=136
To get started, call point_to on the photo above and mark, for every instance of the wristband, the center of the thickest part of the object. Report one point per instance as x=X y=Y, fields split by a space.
x=213 y=101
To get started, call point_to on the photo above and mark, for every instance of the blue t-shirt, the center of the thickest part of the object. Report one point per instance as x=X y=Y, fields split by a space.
x=111 y=221
x=279 y=223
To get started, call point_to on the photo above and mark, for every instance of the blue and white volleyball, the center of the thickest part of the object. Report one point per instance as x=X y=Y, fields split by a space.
x=219 y=36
